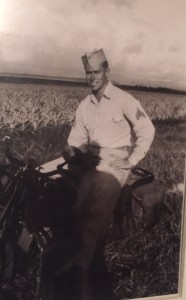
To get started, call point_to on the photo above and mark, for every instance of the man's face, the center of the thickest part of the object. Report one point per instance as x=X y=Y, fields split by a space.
x=97 y=77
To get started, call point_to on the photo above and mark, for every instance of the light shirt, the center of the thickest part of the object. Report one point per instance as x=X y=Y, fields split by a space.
x=107 y=124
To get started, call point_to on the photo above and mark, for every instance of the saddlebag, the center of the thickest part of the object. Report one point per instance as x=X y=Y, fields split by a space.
x=139 y=201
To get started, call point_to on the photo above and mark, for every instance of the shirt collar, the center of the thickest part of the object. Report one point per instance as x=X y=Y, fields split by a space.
x=108 y=90
x=106 y=94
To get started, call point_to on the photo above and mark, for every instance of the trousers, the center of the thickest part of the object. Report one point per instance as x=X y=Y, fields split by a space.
x=97 y=196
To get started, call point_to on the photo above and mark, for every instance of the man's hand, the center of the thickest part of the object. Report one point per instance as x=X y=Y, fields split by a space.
x=72 y=154
x=119 y=164
x=90 y=161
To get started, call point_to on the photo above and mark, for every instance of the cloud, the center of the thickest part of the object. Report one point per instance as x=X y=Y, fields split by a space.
x=133 y=49
x=143 y=40
x=175 y=48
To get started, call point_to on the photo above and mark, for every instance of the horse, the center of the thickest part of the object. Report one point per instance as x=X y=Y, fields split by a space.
x=46 y=209
x=43 y=207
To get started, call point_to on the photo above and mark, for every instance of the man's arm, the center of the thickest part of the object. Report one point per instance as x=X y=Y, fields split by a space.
x=79 y=135
x=143 y=129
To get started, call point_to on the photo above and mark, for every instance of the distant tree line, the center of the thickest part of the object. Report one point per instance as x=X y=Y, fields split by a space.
x=82 y=82
x=152 y=89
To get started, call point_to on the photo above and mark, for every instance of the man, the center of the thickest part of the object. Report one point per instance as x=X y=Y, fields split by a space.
x=102 y=128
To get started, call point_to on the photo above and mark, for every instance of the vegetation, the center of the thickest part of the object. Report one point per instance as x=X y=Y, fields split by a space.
x=29 y=107
x=142 y=263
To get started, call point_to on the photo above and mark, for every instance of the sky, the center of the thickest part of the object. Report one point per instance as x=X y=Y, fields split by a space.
x=144 y=40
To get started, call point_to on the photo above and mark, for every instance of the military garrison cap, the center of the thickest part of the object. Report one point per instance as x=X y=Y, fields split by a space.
x=94 y=58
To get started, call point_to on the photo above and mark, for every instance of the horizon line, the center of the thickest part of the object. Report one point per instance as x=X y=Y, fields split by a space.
x=80 y=80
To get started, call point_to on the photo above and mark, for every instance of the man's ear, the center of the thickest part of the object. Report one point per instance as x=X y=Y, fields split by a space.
x=107 y=72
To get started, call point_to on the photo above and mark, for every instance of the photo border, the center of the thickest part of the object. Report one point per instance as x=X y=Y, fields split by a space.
x=181 y=295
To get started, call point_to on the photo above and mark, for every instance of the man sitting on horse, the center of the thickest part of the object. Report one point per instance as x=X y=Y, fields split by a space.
x=103 y=130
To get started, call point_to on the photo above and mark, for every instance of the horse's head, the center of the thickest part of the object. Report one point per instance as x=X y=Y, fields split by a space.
x=38 y=199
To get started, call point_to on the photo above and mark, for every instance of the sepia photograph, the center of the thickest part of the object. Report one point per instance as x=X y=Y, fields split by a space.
x=92 y=150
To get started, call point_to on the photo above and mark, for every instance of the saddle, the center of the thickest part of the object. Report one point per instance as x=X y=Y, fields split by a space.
x=139 y=201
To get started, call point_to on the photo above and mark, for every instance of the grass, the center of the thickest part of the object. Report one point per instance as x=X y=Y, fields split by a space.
x=144 y=263
x=141 y=263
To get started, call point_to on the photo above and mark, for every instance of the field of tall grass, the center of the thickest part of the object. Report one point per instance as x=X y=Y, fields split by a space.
x=38 y=118
x=33 y=107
